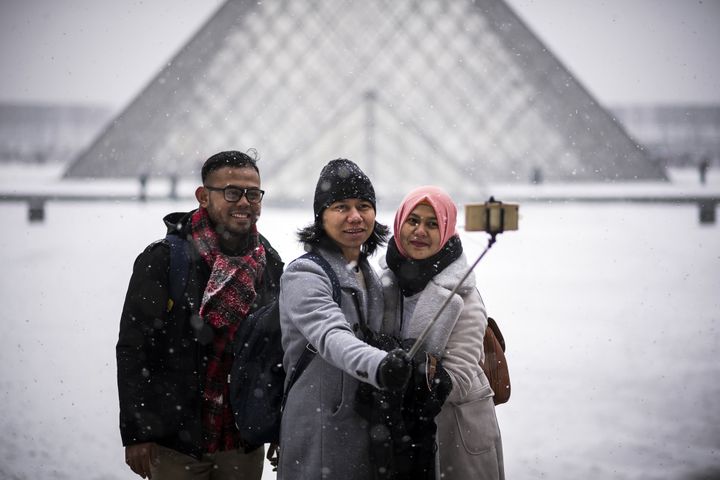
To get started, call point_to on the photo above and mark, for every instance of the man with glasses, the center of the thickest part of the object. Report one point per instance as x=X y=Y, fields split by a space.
x=174 y=352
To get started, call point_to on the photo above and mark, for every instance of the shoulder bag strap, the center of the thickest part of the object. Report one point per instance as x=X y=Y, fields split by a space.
x=179 y=269
x=309 y=352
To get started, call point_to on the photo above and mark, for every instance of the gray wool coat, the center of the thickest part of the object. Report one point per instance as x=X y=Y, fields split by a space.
x=469 y=442
x=321 y=435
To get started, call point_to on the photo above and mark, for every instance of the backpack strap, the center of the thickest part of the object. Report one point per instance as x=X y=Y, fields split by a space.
x=309 y=351
x=320 y=260
x=179 y=268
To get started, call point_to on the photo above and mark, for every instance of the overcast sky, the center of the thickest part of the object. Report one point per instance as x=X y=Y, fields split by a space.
x=105 y=51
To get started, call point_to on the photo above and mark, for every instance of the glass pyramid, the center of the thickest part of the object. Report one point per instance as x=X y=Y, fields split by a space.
x=457 y=93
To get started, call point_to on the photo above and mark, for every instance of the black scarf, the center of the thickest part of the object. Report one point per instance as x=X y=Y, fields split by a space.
x=413 y=275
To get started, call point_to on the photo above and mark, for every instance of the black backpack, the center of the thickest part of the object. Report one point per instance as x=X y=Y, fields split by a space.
x=257 y=378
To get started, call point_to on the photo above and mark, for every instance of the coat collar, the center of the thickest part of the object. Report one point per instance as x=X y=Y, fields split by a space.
x=428 y=302
x=370 y=301
x=452 y=275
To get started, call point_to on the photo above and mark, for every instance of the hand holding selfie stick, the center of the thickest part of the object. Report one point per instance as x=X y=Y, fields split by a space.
x=493 y=217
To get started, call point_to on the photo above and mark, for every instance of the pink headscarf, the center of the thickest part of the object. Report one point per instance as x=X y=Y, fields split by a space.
x=445 y=211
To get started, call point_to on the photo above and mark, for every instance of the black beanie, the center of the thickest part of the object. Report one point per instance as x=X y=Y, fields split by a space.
x=341 y=179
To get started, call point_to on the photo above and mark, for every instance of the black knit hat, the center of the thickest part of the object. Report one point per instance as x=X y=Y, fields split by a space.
x=341 y=179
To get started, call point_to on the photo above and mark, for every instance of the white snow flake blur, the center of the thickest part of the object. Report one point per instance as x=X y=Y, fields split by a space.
x=611 y=315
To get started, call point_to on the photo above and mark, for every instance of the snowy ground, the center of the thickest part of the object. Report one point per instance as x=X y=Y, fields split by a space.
x=611 y=315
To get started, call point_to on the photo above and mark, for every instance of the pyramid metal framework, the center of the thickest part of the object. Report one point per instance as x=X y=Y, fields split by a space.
x=457 y=93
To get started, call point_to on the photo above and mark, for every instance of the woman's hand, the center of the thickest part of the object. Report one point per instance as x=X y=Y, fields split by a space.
x=394 y=370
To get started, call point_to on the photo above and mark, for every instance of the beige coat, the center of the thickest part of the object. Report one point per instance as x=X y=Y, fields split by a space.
x=469 y=440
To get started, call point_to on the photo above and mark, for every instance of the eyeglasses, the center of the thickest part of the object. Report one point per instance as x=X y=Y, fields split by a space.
x=234 y=194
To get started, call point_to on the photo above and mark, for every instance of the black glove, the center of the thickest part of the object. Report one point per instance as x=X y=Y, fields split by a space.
x=394 y=370
x=431 y=389
x=429 y=386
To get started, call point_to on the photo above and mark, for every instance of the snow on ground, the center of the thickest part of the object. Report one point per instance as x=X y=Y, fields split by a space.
x=611 y=315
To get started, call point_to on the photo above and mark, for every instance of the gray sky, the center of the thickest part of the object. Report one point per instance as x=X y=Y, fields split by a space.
x=105 y=51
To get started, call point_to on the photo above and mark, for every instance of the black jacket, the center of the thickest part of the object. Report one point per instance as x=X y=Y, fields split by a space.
x=161 y=354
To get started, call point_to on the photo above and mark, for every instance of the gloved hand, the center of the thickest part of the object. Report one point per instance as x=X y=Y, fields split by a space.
x=429 y=387
x=428 y=371
x=394 y=370
x=432 y=387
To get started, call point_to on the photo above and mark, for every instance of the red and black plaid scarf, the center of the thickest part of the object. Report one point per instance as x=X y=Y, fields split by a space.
x=226 y=301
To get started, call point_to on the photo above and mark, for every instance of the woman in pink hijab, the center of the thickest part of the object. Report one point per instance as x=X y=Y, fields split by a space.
x=424 y=262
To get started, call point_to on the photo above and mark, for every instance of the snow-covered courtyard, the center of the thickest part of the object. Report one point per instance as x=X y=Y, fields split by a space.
x=611 y=313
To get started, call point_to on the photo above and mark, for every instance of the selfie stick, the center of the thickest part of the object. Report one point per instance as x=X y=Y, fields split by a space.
x=493 y=233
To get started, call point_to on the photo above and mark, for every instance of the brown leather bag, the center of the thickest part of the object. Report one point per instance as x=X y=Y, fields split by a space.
x=495 y=366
